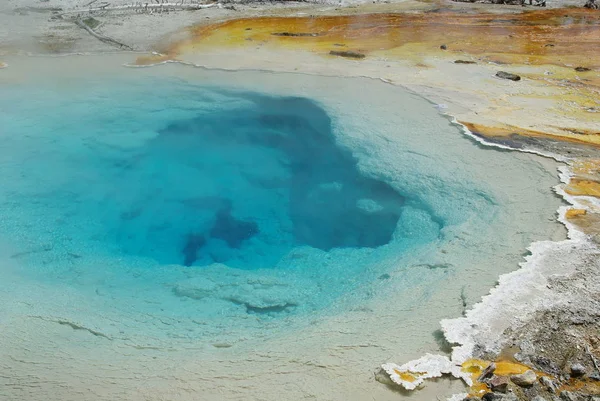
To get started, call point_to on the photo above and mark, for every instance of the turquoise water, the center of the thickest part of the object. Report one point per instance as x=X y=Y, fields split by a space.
x=195 y=176
x=180 y=234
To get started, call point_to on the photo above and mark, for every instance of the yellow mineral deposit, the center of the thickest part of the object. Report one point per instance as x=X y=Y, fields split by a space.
x=583 y=187
x=409 y=377
x=572 y=213
x=507 y=131
x=549 y=37
x=586 y=167
x=507 y=368
x=475 y=367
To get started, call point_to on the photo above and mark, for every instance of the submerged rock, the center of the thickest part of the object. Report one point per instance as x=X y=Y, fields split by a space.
x=526 y=379
x=464 y=62
x=508 y=75
x=232 y=230
x=93 y=23
x=254 y=293
x=443 y=47
x=193 y=243
x=582 y=69
x=382 y=377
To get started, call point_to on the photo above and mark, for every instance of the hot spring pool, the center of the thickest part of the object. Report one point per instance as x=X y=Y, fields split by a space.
x=174 y=232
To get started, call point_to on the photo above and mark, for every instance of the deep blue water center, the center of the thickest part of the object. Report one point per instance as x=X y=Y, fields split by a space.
x=242 y=187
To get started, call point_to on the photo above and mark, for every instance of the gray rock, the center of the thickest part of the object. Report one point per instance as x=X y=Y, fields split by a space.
x=499 y=397
x=577 y=370
x=546 y=365
x=487 y=372
x=492 y=397
x=527 y=347
x=498 y=384
x=443 y=47
x=538 y=398
x=508 y=75
x=572 y=396
x=549 y=384
x=524 y=379
x=582 y=69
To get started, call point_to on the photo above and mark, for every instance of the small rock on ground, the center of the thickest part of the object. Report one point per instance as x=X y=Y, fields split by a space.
x=549 y=384
x=577 y=370
x=572 y=396
x=508 y=75
x=499 y=397
x=499 y=384
x=526 y=379
x=487 y=372
x=348 y=54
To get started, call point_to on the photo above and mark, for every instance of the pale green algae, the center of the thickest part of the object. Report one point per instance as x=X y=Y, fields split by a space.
x=134 y=339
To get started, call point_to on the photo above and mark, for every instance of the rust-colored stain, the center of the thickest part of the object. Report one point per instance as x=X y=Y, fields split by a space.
x=538 y=37
x=587 y=386
x=583 y=187
x=506 y=131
